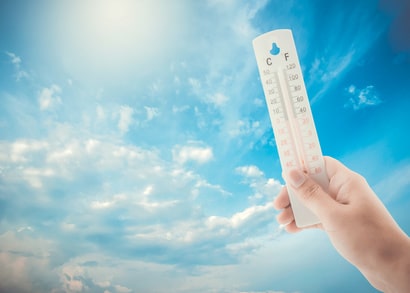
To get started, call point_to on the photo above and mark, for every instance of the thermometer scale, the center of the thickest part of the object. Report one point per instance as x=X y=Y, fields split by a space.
x=290 y=113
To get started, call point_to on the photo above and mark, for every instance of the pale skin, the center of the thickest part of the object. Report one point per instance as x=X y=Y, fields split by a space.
x=357 y=223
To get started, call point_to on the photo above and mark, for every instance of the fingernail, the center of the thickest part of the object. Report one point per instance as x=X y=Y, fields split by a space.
x=296 y=177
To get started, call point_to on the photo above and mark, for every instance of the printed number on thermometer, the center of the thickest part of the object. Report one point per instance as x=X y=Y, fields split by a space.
x=290 y=113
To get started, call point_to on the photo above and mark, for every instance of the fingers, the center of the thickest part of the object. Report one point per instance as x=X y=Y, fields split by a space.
x=287 y=222
x=282 y=200
x=292 y=228
x=311 y=194
x=285 y=216
x=286 y=219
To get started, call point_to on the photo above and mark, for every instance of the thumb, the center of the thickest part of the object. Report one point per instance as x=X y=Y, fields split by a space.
x=311 y=194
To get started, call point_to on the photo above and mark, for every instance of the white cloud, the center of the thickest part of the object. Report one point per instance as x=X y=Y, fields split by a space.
x=195 y=85
x=217 y=231
x=25 y=262
x=342 y=49
x=259 y=102
x=117 y=275
x=125 y=118
x=155 y=204
x=217 y=99
x=194 y=153
x=244 y=127
x=151 y=112
x=100 y=112
x=35 y=175
x=351 y=89
x=205 y=184
x=264 y=189
x=22 y=150
x=101 y=204
x=16 y=61
x=241 y=20
x=181 y=109
x=249 y=171
x=362 y=98
x=240 y=219
x=66 y=153
x=243 y=24
x=91 y=145
x=326 y=72
x=96 y=271
x=49 y=97
x=122 y=289
x=334 y=70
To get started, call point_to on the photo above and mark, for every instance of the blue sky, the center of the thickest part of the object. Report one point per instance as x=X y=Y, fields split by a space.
x=136 y=153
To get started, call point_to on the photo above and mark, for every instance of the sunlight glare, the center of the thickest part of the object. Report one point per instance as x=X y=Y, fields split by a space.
x=109 y=37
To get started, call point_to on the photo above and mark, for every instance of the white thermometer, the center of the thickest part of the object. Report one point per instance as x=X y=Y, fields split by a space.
x=290 y=114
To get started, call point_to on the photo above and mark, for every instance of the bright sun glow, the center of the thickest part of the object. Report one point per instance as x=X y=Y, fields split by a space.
x=109 y=36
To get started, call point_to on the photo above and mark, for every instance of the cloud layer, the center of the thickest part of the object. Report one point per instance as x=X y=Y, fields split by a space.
x=135 y=145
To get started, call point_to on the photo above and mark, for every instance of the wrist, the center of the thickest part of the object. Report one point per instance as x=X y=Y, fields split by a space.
x=394 y=269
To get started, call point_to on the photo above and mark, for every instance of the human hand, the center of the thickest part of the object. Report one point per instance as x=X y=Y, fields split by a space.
x=357 y=223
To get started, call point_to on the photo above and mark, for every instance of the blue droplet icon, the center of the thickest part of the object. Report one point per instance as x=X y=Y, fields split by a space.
x=275 y=49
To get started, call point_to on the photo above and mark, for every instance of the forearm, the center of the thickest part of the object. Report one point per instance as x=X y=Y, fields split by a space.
x=392 y=272
x=397 y=278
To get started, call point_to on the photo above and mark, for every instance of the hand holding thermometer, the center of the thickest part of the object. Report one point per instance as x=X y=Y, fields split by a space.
x=290 y=114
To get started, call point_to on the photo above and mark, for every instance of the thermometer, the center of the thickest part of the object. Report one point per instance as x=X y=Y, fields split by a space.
x=290 y=113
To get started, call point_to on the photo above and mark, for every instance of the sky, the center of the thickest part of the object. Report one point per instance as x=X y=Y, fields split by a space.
x=137 y=155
